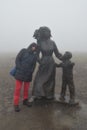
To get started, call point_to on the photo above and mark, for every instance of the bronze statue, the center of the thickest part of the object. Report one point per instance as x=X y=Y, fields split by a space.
x=67 y=77
x=44 y=83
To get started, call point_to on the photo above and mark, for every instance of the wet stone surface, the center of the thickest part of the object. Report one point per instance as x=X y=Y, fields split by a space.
x=43 y=115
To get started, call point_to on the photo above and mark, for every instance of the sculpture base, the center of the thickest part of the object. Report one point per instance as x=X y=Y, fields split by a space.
x=44 y=101
x=66 y=101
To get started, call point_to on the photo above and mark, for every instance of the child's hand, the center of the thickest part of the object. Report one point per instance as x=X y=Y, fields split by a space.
x=61 y=57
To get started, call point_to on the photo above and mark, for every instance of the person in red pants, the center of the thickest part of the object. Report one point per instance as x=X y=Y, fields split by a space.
x=25 y=65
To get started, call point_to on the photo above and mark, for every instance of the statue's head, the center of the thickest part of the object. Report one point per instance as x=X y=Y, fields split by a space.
x=67 y=55
x=36 y=34
x=45 y=32
x=42 y=33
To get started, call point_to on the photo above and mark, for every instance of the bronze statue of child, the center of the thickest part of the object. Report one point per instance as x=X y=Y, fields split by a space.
x=67 y=77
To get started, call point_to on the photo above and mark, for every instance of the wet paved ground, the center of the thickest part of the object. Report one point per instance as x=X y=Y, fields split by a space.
x=42 y=115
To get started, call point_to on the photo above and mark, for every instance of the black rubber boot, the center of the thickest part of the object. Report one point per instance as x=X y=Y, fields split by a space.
x=17 y=109
x=26 y=103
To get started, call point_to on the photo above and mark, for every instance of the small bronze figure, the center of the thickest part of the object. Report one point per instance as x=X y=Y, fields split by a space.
x=67 y=77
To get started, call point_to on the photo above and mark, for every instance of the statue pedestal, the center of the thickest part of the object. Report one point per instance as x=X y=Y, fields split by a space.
x=66 y=101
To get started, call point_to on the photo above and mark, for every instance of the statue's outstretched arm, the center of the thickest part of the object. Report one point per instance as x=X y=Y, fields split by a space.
x=57 y=53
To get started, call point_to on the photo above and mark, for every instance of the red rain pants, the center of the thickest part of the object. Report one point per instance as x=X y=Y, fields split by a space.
x=17 y=91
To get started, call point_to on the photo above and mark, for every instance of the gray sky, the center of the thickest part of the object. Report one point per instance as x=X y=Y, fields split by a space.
x=67 y=20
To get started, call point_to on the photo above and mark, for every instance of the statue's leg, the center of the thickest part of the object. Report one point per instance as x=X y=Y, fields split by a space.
x=72 y=91
x=63 y=90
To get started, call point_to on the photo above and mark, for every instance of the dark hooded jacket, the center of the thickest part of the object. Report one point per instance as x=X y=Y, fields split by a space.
x=25 y=65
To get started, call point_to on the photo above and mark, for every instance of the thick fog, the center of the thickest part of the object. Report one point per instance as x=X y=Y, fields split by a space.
x=67 y=20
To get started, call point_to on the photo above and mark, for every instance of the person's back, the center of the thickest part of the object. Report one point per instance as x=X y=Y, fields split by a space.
x=25 y=65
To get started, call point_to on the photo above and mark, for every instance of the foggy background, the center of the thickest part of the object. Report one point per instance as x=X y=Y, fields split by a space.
x=67 y=20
